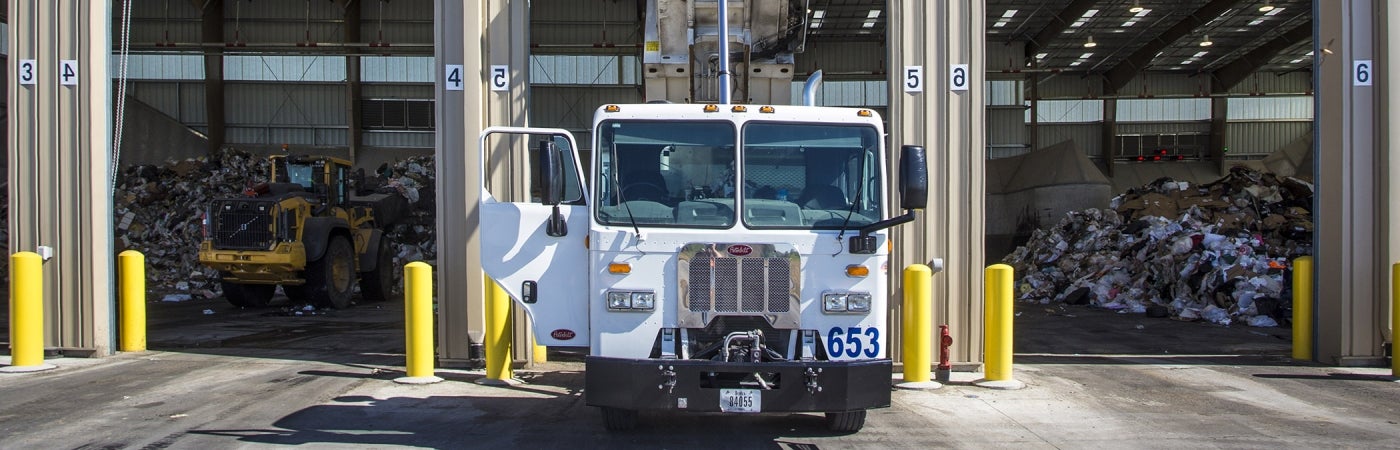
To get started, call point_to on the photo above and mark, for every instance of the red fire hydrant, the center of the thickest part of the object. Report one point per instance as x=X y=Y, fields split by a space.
x=944 y=373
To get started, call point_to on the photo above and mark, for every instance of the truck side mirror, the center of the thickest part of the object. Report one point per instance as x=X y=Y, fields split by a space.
x=551 y=170
x=913 y=177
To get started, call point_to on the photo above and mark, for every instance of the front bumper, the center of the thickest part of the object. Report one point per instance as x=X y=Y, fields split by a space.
x=282 y=264
x=640 y=384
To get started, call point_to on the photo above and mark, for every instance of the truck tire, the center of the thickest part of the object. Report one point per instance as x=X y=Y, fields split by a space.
x=248 y=295
x=845 y=421
x=378 y=285
x=618 y=419
x=331 y=279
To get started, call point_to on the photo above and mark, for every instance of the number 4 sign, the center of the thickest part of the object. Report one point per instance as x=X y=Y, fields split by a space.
x=68 y=72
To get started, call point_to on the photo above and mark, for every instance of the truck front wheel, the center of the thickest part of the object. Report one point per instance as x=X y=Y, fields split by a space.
x=330 y=280
x=618 y=419
x=848 y=421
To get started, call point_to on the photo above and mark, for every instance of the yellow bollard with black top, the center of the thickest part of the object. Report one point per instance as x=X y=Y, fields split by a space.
x=1303 y=308
x=132 y=270
x=26 y=314
x=418 y=324
x=498 y=339
x=998 y=321
x=918 y=329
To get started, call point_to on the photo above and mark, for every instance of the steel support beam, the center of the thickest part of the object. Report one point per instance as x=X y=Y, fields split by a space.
x=1058 y=25
x=1121 y=74
x=1108 y=132
x=1390 y=157
x=950 y=124
x=1238 y=70
x=353 y=90
x=60 y=160
x=212 y=31
x=1350 y=207
x=475 y=35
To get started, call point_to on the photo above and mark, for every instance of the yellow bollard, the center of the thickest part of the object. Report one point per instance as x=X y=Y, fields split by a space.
x=1394 y=317
x=998 y=320
x=541 y=352
x=498 y=334
x=1303 y=308
x=26 y=313
x=418 y=323
x=918 y=328
x=133 y=301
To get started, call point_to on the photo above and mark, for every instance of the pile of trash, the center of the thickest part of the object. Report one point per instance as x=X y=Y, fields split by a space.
x=158 y=212
x=1220 y=252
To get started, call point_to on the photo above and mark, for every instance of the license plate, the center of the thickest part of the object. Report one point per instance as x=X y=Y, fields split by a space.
x=740 y=400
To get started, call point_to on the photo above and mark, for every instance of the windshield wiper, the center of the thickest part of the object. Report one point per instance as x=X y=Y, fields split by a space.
x=617 y=187
x=860 y=192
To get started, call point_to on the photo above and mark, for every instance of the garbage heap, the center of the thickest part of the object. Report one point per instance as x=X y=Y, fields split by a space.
x=1219 y=252
x=158 y=212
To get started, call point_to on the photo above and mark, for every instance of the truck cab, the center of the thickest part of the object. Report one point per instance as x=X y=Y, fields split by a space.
x=728 y=258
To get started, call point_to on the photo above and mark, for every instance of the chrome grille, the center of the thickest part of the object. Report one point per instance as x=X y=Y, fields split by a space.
x=716 y=282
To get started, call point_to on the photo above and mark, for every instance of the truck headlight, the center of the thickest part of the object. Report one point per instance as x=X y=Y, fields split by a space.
x=643 y=300
x=846 y=302
x=619 y=300
x=834 y=302
x=858 y=302
x=631 y=300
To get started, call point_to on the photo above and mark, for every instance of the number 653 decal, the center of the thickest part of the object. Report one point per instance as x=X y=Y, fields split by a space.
x=853 y=342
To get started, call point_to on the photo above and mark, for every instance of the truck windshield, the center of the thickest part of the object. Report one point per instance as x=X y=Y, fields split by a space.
x=666 y=173
x=300 y=174
x=811 y=176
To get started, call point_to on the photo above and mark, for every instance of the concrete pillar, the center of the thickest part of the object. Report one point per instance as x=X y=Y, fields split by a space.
x=1390 y=43
x=1350 y=208
x=475 y=35
x=60 y=165
x=950 y=124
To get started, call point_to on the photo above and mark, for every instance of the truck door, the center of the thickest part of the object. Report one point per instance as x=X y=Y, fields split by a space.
x=544 y=268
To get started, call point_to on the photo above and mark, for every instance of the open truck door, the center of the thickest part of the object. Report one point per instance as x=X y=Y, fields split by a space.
x=534 y=244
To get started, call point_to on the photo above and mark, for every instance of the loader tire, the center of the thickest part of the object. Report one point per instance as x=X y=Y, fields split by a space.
x=378 y=285
x=330 y=280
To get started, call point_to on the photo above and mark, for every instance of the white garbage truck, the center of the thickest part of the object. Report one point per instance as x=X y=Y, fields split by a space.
x=721 y=258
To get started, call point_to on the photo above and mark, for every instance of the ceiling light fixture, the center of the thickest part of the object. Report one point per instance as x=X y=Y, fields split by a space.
x=1090 y=43
x=1268 y=6
x=1137 y=7
x=1206 y=42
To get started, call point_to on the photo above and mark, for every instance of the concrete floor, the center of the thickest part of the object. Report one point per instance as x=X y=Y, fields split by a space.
x=262 y=378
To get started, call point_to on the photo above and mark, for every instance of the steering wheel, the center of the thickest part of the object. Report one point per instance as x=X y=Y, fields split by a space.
x=644 y=191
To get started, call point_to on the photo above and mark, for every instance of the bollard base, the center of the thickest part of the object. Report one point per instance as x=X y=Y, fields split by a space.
x=1004 y=385
x=418 y=380
x=495 y=382
x=919 y=385
x=27 y=369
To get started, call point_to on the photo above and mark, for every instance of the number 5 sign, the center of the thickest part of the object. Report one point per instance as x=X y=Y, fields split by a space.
x=500 y=78
x=913 y=78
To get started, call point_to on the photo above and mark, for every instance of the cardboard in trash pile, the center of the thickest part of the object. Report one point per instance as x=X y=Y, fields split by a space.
x=1220 y=251
x=158 y=212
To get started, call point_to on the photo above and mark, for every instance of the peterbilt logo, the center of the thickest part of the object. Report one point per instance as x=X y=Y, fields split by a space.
x=739 y=250
x=562 y=334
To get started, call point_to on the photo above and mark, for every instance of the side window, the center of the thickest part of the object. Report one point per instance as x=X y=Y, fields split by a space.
x=512 y=176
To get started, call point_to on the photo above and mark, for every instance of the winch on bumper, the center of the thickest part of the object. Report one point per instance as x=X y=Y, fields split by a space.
x=688 y=384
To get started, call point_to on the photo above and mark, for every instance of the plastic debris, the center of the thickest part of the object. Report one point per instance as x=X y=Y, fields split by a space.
x=1220 y=252
x=176 y=298
x=208 y=312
